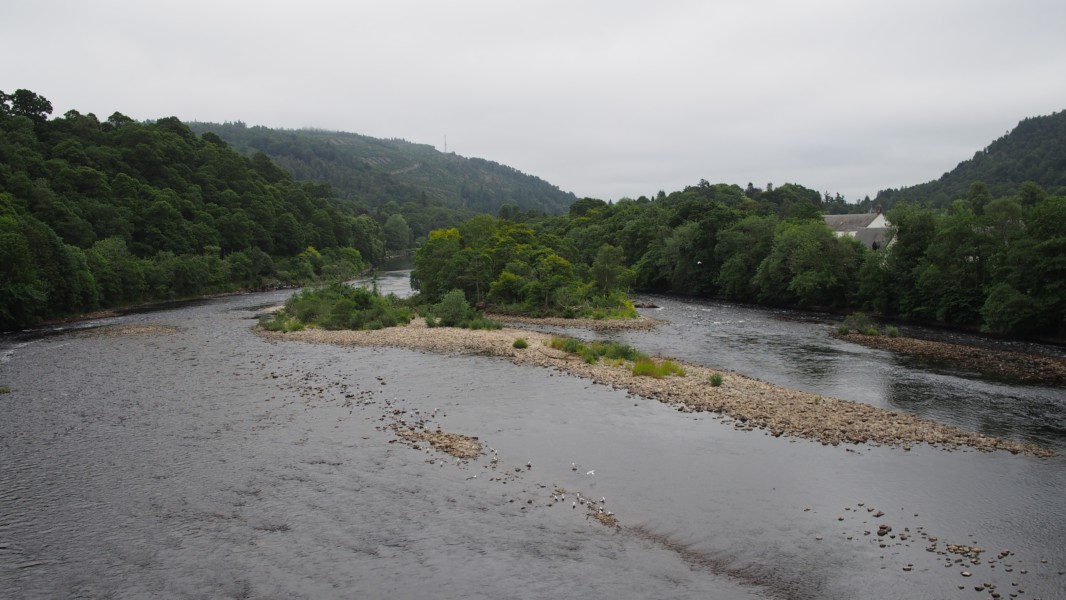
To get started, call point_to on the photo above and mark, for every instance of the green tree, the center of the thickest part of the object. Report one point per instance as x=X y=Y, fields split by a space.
x=397 y=233
x=609 y=271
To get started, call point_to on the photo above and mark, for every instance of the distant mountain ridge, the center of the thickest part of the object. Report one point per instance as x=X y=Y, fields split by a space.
x=372 y=172
x=1034 y=151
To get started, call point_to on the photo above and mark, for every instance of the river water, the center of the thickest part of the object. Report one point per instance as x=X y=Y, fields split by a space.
x=206 y=462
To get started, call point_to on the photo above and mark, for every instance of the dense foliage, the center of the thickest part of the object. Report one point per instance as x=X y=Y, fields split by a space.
x=998 y=264
x=1034 y=151
x=104 y=213
x=394 y=178
x=339 y=306
x=509 y=265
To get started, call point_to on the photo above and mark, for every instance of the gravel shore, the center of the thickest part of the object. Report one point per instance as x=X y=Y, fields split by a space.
x=1016 y=366
x=749 y=403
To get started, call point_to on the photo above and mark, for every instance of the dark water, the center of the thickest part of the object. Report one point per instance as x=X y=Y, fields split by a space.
x=209 y=463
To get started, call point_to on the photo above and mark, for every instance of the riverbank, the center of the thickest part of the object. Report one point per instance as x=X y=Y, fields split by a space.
x=746 y=402
x=1015 y=366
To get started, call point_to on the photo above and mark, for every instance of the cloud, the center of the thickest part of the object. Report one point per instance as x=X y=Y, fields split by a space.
x=605 y=99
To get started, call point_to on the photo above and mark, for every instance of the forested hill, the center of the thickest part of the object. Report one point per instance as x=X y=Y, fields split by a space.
x=374 y=172
x=99 y=213
x=1034 y=151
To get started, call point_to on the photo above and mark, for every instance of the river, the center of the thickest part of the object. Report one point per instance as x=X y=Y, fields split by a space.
x=175 y=454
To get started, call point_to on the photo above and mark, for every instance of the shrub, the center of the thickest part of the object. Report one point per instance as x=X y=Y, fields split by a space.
x=520 y=343
x=669 y=367
x=843 y=330
x=280 y=322
x=480 y=323
x=715 y=379
x=857 y=321
x=872 y=331
x=589 y=355
x=4 y=389
x=453 y=308
x=891 y=331
x=340 y=306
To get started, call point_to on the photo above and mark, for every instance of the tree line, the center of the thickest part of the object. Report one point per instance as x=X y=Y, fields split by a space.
x=994 y=263
x=99 y=213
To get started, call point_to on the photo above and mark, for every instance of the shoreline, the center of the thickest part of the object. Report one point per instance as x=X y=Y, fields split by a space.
x=750 y=403
x=1016 y=366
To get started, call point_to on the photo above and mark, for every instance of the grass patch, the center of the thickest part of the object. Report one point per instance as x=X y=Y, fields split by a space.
x=592 y=352
x=646 y=367
x=715 y=379
x=4 y=389
x=520 y=343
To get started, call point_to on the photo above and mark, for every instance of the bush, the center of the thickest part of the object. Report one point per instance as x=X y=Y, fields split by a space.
x=669 y=367
x=891 y=331
x=481 y=323
x=280 y=322
x=872 y=331
x=453 y=309
x=520 y=343
x=715 y=379
x=858 y=322
x=340 y=306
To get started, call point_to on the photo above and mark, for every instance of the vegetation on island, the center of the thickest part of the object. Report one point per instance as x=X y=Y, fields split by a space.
x=339 y=306
x=518 y=269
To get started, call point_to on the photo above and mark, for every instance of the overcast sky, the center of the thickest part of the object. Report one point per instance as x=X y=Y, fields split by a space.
x=603 y=98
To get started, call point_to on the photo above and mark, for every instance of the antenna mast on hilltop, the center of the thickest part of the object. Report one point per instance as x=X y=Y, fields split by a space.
x=446 y=143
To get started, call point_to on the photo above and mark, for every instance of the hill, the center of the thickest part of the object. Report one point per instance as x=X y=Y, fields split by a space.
x=1034 y=151
x=372 y=172
x=97 y=214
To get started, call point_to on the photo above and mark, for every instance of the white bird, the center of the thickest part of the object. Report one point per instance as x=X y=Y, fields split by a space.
x=593 y=472
x=603 y=500
x=573 y=466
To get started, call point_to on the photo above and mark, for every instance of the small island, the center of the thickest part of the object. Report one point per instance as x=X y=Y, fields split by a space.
x=749 y=403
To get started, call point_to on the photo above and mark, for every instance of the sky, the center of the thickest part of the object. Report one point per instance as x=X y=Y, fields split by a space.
x=605 y=99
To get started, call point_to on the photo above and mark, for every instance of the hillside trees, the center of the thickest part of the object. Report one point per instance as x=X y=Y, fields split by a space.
x=105 y=213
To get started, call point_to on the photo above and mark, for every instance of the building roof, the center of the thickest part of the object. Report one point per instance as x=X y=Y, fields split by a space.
x=844 y=223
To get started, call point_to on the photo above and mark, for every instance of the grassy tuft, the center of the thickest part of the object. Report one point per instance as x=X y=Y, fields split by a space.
x=520 y=343
x=715 y=379
x=646 y=367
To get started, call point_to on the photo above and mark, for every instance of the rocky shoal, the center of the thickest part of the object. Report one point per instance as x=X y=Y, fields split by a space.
x=1016 y=366
x=750 y=403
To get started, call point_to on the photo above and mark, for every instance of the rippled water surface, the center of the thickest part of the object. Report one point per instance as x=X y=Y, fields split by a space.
x=207 y=462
